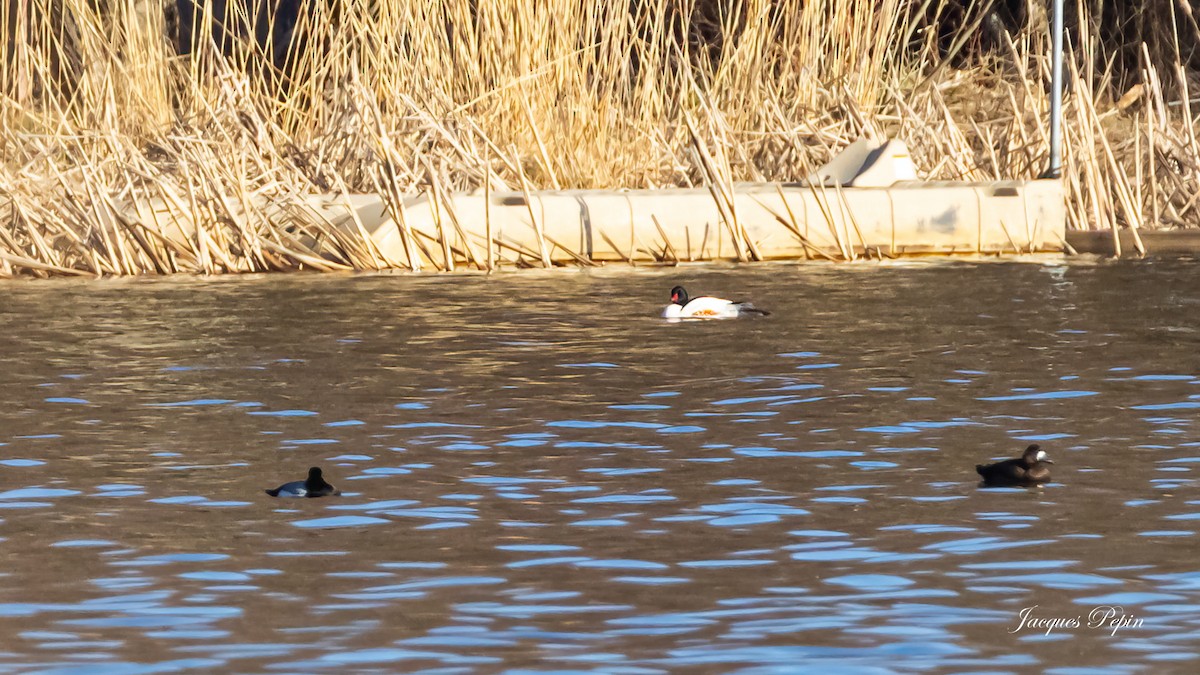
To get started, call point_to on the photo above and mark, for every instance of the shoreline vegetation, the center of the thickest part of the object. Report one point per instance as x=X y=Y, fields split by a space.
x=237 y=112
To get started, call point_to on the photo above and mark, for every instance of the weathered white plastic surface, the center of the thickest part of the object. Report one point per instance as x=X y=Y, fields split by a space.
x=866 y=163
x=912 y=217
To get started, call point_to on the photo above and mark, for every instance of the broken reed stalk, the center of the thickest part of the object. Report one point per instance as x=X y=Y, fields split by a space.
x=633 y=239
x=536 y=223
x=573 y=255
x=1150 y=147
x=472 y=256
x=844 y=206
x=435 y=205
x=394 y=202
x=616 y=248
x=822 y=200
x=487 y=212
x=541 y=146
x=391 y=191
x=793 y=226
x=667 y=247
x=1008 y=235
x=715 y=183
x=515 y=248
x=378 y=258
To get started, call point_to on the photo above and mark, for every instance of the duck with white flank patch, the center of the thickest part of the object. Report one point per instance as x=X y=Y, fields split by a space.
x=313 y=486
x=1031 y=468
x=705 y=307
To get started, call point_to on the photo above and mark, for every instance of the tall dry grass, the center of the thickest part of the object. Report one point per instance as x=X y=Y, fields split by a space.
x=100 y=114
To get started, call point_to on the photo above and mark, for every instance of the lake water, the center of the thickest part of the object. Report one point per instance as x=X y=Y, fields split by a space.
x=541 y=474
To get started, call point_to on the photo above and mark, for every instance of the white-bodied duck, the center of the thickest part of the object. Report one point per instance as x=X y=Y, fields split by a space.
x=706 y=307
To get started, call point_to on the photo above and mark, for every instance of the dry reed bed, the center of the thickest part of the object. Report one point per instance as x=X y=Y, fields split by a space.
x=100 y=118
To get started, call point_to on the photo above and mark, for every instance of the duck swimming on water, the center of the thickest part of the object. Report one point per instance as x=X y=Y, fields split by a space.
x=706 y=307
x=1031 y=468
x=313 y=486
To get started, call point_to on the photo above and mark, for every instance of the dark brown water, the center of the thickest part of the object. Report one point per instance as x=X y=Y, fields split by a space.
x=539 y=473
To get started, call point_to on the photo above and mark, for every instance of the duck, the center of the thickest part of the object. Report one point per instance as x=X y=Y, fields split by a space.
x=313 y=486
x=1031 y=468
x=705 y=307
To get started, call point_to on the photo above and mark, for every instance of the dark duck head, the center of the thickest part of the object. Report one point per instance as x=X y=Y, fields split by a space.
x=1031 y=468
x=679 y=296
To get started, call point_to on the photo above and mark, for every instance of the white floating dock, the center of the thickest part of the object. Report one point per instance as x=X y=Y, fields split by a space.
x=768 y=222
x=865 y=203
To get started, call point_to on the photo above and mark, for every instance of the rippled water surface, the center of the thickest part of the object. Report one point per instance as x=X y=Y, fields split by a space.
x=540 y=474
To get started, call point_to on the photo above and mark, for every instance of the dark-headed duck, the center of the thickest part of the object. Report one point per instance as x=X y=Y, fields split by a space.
x=313 y=486
x=705 y=307
x=1031 y=468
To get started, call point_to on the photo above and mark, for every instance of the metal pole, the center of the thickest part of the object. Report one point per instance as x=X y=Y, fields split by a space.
x=1056 y=86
